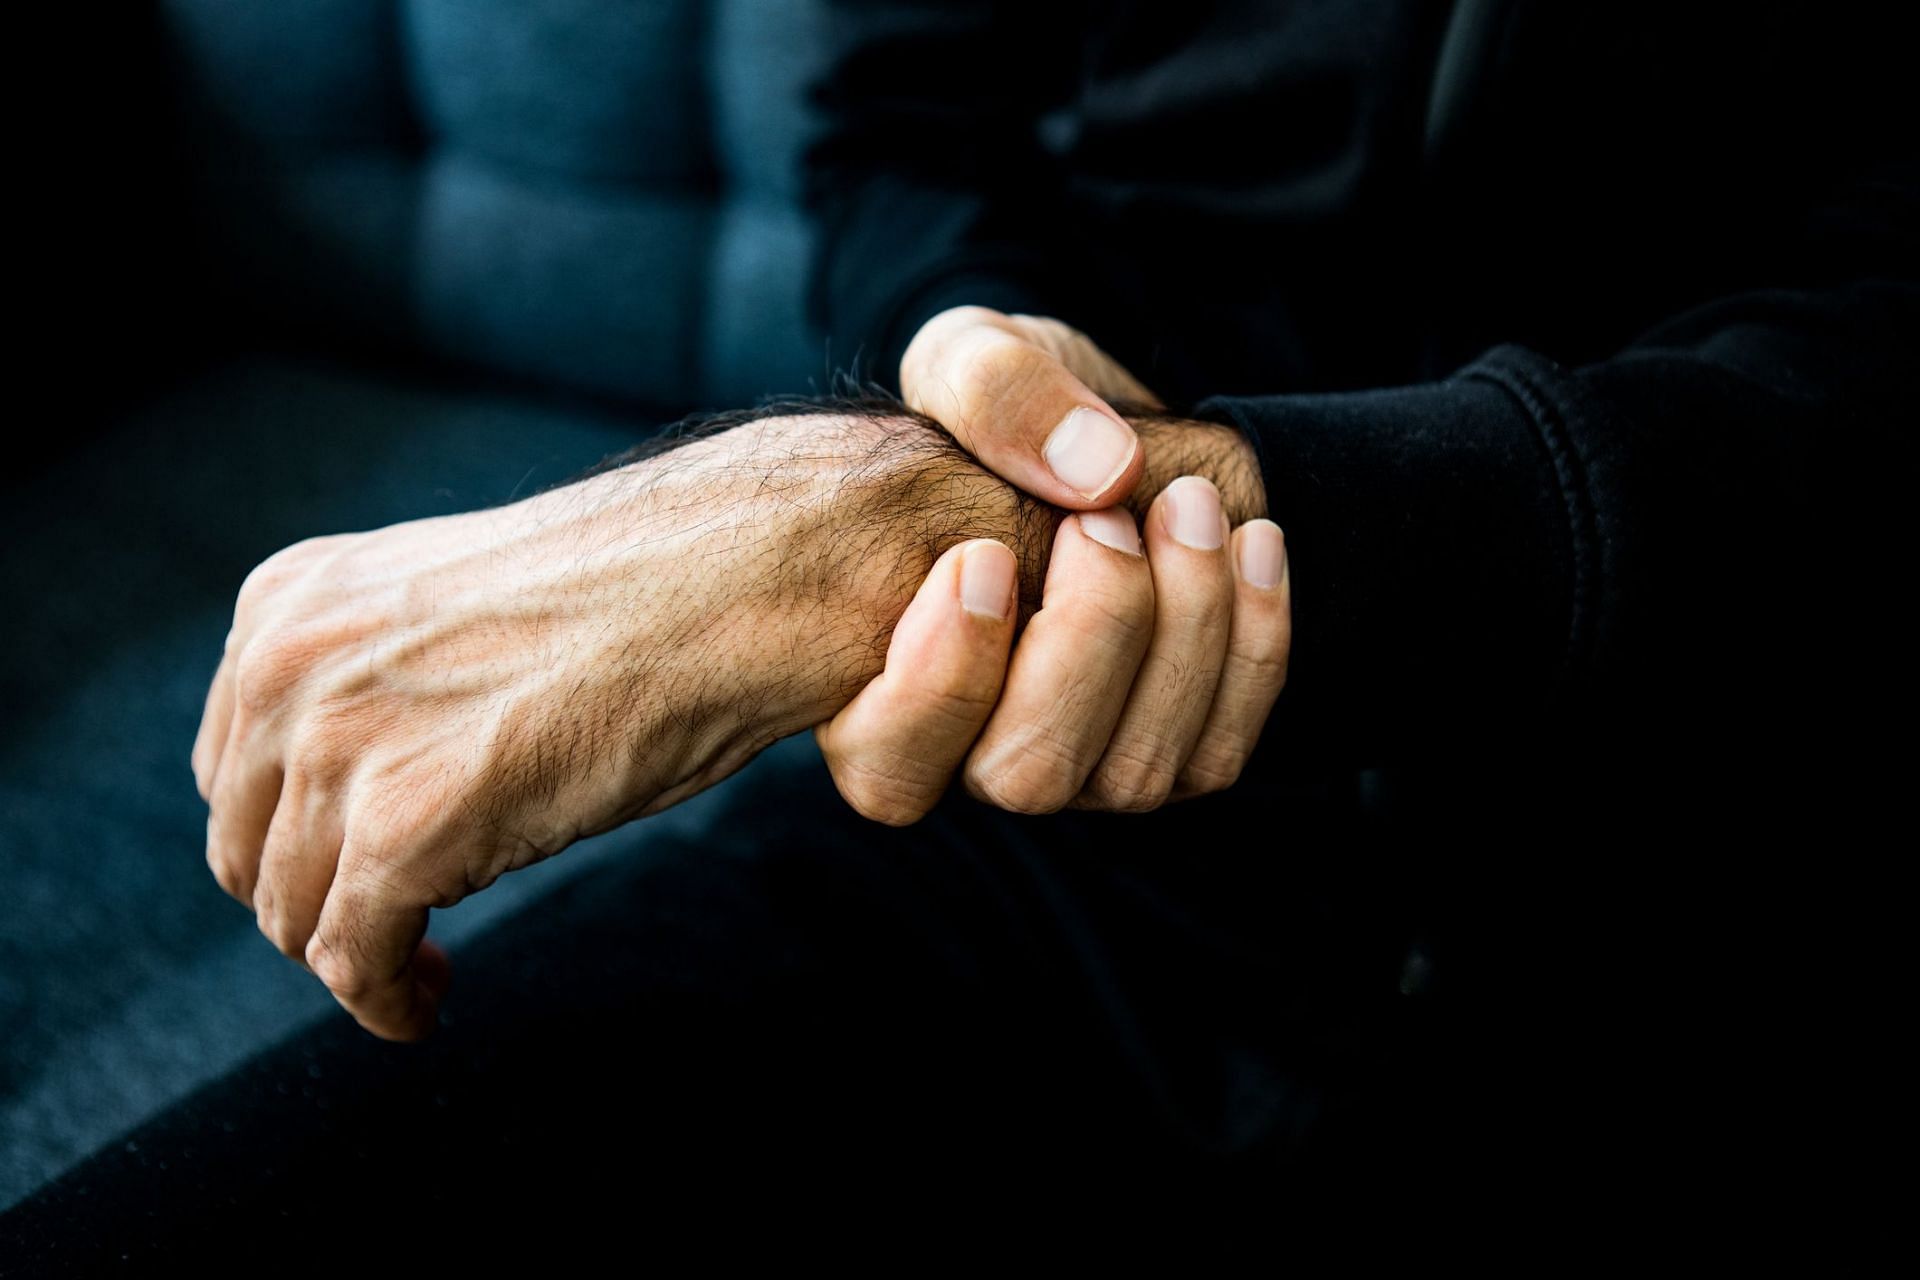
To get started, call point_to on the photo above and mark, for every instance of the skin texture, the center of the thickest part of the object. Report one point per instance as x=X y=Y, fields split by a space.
x=405 y=714
x=1150 y=670
x=1002 y=383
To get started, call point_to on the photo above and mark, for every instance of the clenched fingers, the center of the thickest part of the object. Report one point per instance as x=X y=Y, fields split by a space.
x=1070 y=674
x=1255 y=671
x=297 y=866
x=370 y=949
x=1167 y=707
x=893 y=749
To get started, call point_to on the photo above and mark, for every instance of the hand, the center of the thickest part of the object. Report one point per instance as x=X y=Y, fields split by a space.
x=1029 y=397
x=405 y=714
x=1142 y=679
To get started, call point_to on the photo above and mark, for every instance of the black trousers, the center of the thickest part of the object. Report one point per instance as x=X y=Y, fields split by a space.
x=1201 y=991
x=1252 y=994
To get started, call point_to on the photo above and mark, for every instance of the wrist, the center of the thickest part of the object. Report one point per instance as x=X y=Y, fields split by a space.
x=812 y=532
x=1178 y=447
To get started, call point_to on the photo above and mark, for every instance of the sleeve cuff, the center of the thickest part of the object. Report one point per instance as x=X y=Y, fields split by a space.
x=1431 y=562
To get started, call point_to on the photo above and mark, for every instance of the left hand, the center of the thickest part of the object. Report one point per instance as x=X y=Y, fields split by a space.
x=1146 y=676
x=1149 y=672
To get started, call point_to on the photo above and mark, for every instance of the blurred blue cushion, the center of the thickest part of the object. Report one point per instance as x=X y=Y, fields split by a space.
x=396 y=210
x=597 y=194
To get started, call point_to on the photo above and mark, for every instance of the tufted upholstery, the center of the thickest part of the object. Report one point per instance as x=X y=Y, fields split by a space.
x=456 y=250
x=595 y=194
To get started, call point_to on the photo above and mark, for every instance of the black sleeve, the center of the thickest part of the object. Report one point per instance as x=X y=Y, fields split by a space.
x=1691 y=540
x=928 y=180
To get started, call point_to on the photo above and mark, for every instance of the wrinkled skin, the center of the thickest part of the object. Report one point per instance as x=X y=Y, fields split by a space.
x=405 y=714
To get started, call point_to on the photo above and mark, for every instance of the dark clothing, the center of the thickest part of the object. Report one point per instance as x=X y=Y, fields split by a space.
x=1577 y=342
x=1569 y=333
x=1601 y=946
x=772 y=1021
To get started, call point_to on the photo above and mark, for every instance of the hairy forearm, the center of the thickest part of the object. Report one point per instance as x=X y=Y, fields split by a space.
x=459 y=696
x=919 y=463
x=824 y=515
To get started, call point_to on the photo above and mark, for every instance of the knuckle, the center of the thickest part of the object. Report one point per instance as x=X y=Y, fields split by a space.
x=940 y=347
x=1128 y=782
x=386 y=840
x=960 y=705
x=317 y=747
x=1016 y=793
x=1122 y=616
x=1012 y=364
x=993 y=367
x=1197 y=607
x=339 y=971
x=278 y=929
x=881 y=797
x=887 y=785
x=1041 y=777
x=267 y=668
x=1180 y=679
x=1262 y=658
x=269 y=575
x=1212 y=769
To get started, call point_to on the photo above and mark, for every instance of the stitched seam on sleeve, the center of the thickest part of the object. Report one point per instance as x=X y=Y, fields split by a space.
x=1570 y=478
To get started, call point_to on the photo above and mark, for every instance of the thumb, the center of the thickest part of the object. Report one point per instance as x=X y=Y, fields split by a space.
x=1016 y=406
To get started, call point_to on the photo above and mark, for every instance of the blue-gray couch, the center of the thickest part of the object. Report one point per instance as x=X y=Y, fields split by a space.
x=354 y=262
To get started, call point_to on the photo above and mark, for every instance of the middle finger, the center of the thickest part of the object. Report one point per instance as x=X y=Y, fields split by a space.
x=1193 y=611
x=1071 y=668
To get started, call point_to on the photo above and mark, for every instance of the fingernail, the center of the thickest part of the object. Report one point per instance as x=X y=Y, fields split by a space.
x=986 y=580
x=1112 y=527
x=1193 y=513
x=1089 y=450
x=1263 y=554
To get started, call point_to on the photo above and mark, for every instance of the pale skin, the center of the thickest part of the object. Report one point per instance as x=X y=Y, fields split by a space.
x=1141 y=680
x=402 y=715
